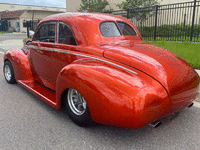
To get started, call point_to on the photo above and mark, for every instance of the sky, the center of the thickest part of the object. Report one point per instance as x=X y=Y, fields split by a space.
x=51 y=3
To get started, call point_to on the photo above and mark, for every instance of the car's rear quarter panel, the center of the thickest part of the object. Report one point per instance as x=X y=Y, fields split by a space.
x=115 y=96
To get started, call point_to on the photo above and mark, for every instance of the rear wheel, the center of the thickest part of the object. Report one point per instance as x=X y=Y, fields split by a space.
x=9 y=72
x=77 y=108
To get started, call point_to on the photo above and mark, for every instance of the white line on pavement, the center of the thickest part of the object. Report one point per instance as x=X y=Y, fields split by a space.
x=197 y=104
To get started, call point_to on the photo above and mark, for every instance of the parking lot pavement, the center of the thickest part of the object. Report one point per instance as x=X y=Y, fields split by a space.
x=1 y=51
x=9 y=36
x=14 y=43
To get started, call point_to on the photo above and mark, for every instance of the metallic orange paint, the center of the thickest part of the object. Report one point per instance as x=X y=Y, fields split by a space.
x=125 y=82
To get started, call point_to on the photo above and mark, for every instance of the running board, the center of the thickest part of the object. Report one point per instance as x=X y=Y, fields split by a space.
x=43 y=93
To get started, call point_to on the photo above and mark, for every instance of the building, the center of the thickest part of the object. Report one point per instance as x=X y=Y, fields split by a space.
x=15 y=19
x=163 y=2
x=16 y=15
x=74 y=5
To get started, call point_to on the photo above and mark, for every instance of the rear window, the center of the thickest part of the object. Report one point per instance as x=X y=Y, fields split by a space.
x=109 y=29
x=126 y=29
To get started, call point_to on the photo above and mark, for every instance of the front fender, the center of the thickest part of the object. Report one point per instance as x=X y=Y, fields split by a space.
x=20 y=63
x=115 y=96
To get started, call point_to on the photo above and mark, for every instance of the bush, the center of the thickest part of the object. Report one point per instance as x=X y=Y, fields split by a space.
x=178 y=31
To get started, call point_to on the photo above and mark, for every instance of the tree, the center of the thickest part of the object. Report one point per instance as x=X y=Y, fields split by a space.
x=139 y=9
x=94 y=6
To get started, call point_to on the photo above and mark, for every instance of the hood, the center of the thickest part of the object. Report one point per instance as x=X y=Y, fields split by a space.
x=170 y=70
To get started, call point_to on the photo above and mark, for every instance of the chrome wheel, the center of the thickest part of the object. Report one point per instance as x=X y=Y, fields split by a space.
x=76 y=102
x=7 y=73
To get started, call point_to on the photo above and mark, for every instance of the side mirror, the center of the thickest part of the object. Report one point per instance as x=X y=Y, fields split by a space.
x=31 y=33
x=28 y=42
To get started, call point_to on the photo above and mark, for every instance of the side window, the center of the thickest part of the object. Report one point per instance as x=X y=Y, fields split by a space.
x=65 y=35
x=109 y=29
x=126 y=29
x=46 y=33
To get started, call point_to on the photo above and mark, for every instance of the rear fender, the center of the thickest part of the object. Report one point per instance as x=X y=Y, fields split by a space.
x=20 y=63
x=115 y=96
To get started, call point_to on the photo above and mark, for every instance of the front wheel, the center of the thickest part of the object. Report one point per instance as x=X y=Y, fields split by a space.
x=9 y=72
x=77 y=108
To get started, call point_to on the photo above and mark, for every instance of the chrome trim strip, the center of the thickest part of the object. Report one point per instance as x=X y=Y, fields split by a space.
x=85 y=57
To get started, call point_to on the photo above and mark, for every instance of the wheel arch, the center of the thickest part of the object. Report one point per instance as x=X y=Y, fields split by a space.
x=6 y=60
x=20 y=63
x=62 y=98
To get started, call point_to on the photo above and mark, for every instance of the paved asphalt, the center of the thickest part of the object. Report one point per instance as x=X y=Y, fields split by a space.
x=8 y=36
x=28 y=123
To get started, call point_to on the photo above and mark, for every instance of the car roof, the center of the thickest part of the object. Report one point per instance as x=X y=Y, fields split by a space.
x=77 y=15
x=85 y=26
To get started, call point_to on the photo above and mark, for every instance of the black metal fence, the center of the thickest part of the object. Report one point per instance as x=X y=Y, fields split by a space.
x=173 y=22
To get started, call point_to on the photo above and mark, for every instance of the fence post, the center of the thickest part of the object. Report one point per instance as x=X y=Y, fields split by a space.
x=127 y=14
x=184 y=22
x=192 y=29
x=27 y=26
x=156 y=18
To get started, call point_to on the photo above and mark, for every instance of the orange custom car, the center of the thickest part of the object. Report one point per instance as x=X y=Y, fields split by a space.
x=98 y=67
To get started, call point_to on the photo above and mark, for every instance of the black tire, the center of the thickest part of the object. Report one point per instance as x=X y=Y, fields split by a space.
x=8 y=72
x=80 y=116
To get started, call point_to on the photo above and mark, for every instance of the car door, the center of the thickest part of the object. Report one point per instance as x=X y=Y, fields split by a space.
x=64 y=50
x=41 y=54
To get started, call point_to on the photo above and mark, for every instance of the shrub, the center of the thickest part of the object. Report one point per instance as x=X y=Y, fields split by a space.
x=178 y=31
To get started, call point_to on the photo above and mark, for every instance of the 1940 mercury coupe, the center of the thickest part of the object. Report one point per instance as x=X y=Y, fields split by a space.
x=98 y=67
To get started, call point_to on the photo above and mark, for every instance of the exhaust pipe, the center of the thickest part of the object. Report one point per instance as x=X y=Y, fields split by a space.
x=172 y=116
x=191 y=105
x=155 y=124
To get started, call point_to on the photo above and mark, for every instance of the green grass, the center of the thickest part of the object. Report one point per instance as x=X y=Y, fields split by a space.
x=26 y=39
x=5 y=32
x=187 y=50
x=182 y=39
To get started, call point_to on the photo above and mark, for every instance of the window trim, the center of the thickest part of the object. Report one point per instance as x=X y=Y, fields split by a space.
x=41 y=26
x=116 y=26
x=60 y=22
x=129 y=26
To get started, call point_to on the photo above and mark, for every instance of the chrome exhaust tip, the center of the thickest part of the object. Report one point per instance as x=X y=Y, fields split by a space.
x=155 y=124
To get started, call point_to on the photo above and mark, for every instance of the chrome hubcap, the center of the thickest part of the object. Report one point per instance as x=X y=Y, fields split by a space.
x=76 y=102
x=7 y=72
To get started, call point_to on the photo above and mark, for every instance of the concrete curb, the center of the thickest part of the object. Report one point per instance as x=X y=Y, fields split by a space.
x=198 y=71
x=196 y=104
